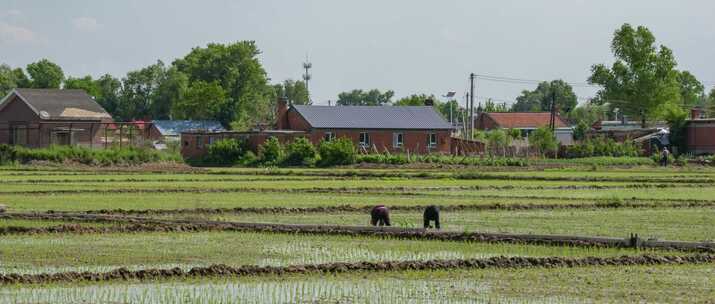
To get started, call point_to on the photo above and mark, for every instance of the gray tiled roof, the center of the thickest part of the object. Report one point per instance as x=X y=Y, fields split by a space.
x=175 y=127
x=62 y=104
x=373 y=117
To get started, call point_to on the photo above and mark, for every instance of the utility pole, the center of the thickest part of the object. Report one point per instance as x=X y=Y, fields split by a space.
x=552 y=119
x=465 y=125
x=306 y=77
x=471 y=105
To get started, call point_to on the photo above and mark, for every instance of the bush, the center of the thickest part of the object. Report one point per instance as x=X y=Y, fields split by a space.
x=300 y=152
x=225 y=152
x=87 y=156
x=248 y=159
x=271 y=152
x=337 y=152
x=601 y=146
x=543 y=139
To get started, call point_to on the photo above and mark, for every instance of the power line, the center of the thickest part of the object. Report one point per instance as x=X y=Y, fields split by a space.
x=530 y=81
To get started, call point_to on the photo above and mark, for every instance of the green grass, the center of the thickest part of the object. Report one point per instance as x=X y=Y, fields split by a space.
x=97 y=252
x=670 y=224
x=607 y=284
x=168 y=201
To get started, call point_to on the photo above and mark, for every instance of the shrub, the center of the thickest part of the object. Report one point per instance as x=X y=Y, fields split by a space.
x=544 y=139
x=271 y=152
x=337 y=152
x=601 y=146
x=225 y=152
x=87 y=156
x=300 y=152
x=248 y=159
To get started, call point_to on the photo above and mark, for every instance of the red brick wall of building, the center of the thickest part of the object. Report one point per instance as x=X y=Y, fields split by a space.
x=701 y=136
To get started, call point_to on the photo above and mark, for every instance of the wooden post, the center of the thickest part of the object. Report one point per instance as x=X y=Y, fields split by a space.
x=91 y=135
x=121 y=130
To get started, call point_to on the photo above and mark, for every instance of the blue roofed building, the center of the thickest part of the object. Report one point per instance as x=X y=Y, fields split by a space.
x=170 y=130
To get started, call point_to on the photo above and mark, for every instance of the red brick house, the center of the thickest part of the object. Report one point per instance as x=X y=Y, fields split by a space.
x=397 y=129
x=42 y=117
x=524 y=121
x=413 y=129
x=700 y=133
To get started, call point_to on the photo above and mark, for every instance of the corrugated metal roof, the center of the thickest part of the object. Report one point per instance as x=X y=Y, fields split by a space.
x=60 y=104
x=175 y=127
x=372 y=117
x=509 y=120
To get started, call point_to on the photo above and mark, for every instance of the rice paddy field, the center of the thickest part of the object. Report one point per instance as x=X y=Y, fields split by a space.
x=247 y=235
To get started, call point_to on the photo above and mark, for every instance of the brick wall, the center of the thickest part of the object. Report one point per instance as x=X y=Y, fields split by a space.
x=701 y=137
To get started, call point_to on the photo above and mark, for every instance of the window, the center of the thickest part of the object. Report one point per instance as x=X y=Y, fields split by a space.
x=328 y=136
x=432 y=139
x=211 y=140
x=19 y=135
x=364 y=139
x=397 y=140
x=199 y=142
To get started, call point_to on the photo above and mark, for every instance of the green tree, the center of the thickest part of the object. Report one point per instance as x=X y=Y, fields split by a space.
x=11 y=79
x=490 y=106
x=237 y=69
x=544 y=140
x=710 y=103
x=109 y=90
x=579 y=132
x=295 y=91
x=271 y=152
x=642 y=79
x=458 y=112
x=45 y=74
x=202 y=100
x=677 y=121
x=498 y=139
x=139 y=90
x=415 y=100
x=360 y=98
x=539 y=100
x=692 y=92
x=589 y=113
x=85 y=83
x=172 y=87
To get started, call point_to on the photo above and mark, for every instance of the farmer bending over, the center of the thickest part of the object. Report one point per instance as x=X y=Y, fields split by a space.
x=431 y=214
x=380 y=215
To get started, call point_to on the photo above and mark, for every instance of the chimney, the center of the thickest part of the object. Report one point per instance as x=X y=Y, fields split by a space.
x=696 y=113
x=429 y=102
x=282 y=113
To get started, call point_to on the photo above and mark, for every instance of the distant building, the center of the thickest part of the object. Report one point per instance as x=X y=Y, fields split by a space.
x=42 y=117
x=527 y=122
x=700 y=133
x=394 y=129
x=170 y=130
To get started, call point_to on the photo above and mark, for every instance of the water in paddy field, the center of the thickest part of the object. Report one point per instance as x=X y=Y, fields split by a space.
x=319 y=290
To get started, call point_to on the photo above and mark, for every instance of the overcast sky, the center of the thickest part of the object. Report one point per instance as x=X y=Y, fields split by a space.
x=406 y=46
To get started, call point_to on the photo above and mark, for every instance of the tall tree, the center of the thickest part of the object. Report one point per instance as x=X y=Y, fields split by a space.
x=539 y=100
x=642 y=79
x=236 y=68
x=491 y=106
x=45 y=74
x=710 y=104
x=139 y=90
x=692 y=92
x=361 y=98
x=172 y=87
x=109 y=92
x=202 y=100
x=85 y=83
x=415 y=100
x=10 y=79
x=295 y=91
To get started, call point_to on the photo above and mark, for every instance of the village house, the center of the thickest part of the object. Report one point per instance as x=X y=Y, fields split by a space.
x=373 y=129
x=527 y=122
x=42 y=117
x=700 y=133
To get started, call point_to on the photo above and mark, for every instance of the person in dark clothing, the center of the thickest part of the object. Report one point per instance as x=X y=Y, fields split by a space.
x=380 y=215
x=664 y=157
x=431 y=214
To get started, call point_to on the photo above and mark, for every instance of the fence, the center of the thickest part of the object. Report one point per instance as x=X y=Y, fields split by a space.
x=77 y=133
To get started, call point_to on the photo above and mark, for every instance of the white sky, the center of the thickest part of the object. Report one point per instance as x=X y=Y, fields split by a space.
x=407 y=46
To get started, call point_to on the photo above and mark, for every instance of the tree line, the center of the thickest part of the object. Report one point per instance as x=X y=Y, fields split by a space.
x=226 y=82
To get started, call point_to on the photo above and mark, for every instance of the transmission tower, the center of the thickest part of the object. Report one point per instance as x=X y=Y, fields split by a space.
x=306 y=77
